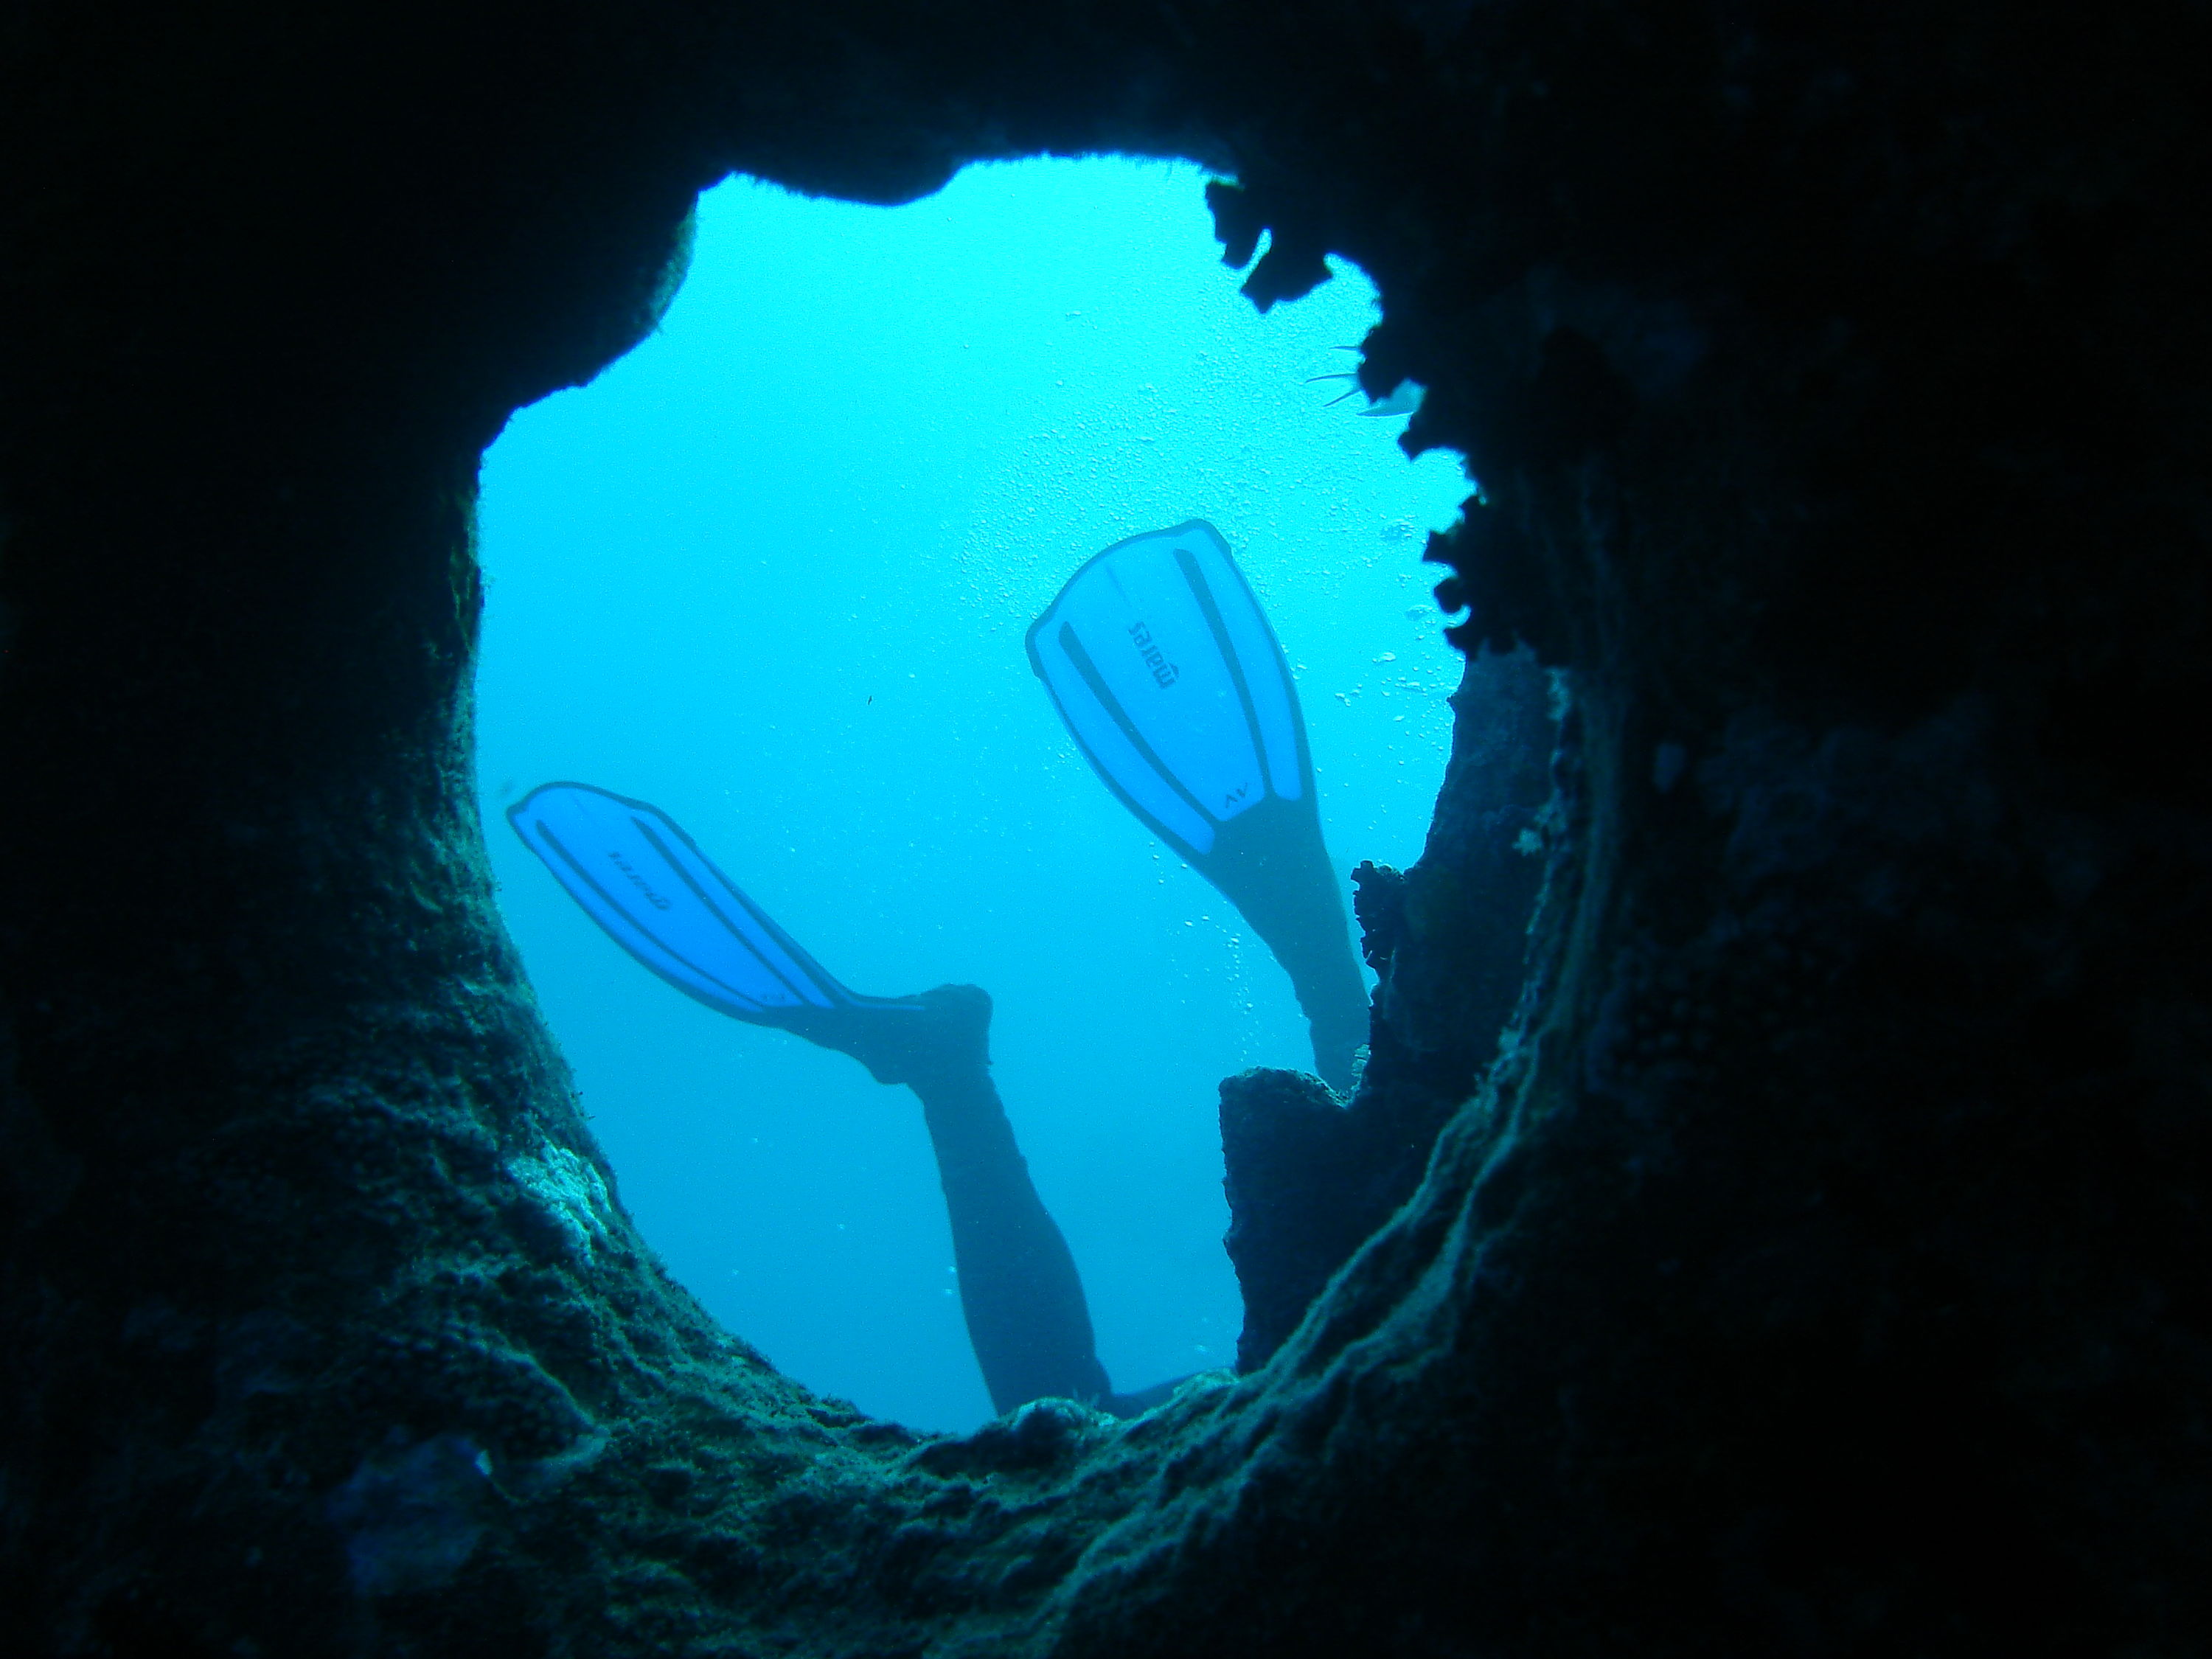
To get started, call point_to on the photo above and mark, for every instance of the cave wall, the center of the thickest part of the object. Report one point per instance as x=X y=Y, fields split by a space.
x=1310 y=1177
x=1821 y=1268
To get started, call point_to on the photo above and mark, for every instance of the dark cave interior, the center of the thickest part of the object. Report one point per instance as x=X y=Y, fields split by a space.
x=1817 y=1266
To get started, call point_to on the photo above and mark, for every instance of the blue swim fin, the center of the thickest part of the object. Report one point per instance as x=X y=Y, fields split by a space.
x=642 y=880
x=1163 y=667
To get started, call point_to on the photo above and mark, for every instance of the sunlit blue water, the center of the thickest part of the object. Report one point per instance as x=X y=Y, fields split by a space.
x=771 y=572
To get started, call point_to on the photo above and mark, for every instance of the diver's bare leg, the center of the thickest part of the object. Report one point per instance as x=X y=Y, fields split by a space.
x=1027 y=1318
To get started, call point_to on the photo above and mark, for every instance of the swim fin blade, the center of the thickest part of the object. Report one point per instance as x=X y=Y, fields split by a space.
x=636 y=873
x=1170 y=678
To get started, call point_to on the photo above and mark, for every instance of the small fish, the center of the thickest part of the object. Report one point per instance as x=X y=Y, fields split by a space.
x=1403 y=398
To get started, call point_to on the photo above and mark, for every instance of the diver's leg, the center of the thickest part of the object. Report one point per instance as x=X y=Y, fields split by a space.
x=1027 y=1318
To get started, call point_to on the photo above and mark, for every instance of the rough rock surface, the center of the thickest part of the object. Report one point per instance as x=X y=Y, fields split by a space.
x=1823 y=1268
x=1308 y=1176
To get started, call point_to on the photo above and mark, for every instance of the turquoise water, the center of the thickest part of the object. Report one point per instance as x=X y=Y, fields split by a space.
x=771 y=572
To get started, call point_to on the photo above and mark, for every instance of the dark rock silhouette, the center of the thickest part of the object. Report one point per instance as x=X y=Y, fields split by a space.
x=1309 y=1178
x=1821 y=1267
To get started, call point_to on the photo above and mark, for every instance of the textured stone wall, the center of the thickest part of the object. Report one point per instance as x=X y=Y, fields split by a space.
x=1310 y=1177
x=1822 y=1267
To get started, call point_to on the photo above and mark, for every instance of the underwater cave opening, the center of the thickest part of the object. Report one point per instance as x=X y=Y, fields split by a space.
x=772 y=571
